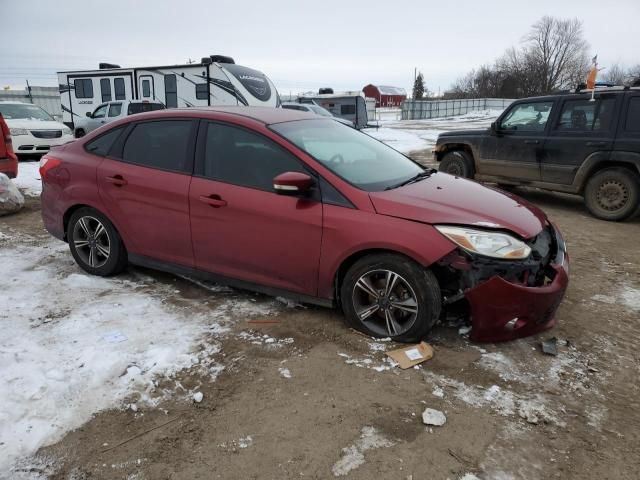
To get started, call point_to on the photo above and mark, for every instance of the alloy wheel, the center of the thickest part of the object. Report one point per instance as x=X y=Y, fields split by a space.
x=385 y=302
x=91 y=241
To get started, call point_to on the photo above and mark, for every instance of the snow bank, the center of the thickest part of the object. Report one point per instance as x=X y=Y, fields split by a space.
x=28 y=179
x=72 y=345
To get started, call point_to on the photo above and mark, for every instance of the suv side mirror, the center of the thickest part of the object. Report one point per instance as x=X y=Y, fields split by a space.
x=494 y=128
x=89 y=114
x=292 y=183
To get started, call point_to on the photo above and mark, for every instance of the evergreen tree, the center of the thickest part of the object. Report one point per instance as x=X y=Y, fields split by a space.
x=418 y=87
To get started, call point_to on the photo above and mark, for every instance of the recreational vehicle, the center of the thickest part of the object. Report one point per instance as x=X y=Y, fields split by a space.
x=348 y=105
x=216 y=80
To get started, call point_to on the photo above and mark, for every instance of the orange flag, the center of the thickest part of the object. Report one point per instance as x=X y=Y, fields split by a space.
x=593 y=73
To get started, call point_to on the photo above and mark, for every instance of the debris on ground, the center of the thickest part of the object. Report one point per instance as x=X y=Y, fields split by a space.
x=433 y=417
x=464 y=330
x=550 y=346
x=11 y=200
x=411 y=355
x=198 y=396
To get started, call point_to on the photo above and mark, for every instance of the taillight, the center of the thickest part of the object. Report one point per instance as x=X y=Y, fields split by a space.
x=48 y=163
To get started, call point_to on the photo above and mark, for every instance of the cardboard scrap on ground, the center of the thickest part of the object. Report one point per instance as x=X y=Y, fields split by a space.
x=411 y=355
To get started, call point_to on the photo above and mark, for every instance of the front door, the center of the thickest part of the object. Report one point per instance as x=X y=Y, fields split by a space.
x=584 y=128
x=98 y=117
x=515 y=149
x=240 y=227
x=144 y=185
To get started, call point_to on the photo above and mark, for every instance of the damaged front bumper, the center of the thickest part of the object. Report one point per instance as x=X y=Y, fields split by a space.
x=507 y=301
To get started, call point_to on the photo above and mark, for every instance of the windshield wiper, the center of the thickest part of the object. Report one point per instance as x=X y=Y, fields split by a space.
x=416 y=178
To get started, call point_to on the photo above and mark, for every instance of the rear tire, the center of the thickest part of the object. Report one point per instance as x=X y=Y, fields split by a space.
x=387 y=295
x=613 y=194
x=458 y=163
x=95 y=244
x=80 y=133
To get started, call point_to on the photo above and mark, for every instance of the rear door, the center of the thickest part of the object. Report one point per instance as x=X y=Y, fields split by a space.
x=582 y=129
x=627 y=144
x=241 y=228
x=144 y=184
x=515 y=150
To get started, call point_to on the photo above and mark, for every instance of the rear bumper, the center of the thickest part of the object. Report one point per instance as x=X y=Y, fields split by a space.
x=9 y=166
x=501 y=310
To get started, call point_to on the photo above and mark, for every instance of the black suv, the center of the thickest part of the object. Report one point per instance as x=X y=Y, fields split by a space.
x=567 y=142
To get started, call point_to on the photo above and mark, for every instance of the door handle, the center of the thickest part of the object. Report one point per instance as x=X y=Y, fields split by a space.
x=596 y=144
x=532 y=142
x=116 y=180
x=213 y=200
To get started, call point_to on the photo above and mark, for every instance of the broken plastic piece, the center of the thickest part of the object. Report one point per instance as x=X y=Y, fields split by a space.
x=550 y=346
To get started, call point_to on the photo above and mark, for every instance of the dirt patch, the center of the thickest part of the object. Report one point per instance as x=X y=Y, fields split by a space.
x=303 y=396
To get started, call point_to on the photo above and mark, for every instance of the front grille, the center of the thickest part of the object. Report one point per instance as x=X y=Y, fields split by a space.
x=46 y=133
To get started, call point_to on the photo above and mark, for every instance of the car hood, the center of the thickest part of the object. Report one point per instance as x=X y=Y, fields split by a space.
x=463 y=133
x=34 y=124
x=446 y=199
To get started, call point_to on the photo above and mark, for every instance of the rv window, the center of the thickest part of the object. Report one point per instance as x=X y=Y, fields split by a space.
x=105 y=89
x=240 y=157
x=160 y=144
x=118 y=86
x=83 y=88
x=102 y=144
x=115 y=109
x=347 y=109
x=170 y=91
x=201 y=91
x=146 y=88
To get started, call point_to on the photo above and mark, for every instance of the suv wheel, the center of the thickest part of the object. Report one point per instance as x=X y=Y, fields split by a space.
x=613 y=194
x=458 y=163
x=95 y=244
x=388 y=295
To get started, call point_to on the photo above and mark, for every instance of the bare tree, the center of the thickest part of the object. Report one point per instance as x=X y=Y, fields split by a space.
x=558 y=51
x=615 y=74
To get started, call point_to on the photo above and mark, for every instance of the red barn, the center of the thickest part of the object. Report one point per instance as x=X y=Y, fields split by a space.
x=385 y=95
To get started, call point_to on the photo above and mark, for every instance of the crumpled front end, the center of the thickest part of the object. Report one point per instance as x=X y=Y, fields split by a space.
x=508 y=299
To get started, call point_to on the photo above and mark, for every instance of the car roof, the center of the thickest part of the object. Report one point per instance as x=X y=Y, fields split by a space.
x=265 y=115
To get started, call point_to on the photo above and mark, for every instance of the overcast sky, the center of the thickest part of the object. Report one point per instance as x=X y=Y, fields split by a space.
x=300 y=45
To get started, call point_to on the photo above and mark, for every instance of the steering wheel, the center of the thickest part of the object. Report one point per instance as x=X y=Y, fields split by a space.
x=337 y=158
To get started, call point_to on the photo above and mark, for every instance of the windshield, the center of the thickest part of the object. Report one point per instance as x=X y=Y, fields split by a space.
x=355 y=156
x=320 y=111
x=23 y=111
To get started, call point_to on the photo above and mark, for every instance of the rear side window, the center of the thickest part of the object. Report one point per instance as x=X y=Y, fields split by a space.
x=170 y=91
x=102 y=144
x=585 y=115
x=201 y=91
x=105 y=89
x=143 y=107
x=118 y=86
x=238 y=156
x=162 y=144
x=632 y=123
x=83 y=88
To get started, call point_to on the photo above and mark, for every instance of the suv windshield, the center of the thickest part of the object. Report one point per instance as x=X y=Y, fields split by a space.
x=23 y=111
x=320 y=111
x=355 y=156
x=143 y=107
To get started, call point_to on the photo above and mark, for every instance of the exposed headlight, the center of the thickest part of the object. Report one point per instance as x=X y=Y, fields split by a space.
x=18 y=131
x=490 y=244
x=66 y=131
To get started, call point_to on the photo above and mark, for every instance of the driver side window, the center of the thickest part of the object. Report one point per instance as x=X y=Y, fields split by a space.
x=240 y=157
x=527 y=117
x=100 y=112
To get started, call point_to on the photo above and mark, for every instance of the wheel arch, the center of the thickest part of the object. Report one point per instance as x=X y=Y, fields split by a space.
x=451 y=147
x=595 y=163
x=66 y=217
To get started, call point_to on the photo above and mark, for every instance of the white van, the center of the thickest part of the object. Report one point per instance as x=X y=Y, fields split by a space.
x=216 y=81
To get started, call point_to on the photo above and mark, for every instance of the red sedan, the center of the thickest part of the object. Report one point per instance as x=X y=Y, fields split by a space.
x=288 y=203
x=8 y=159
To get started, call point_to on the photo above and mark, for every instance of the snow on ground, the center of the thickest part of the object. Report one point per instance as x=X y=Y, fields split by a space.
x=411 y=135
x=28 y=180
x=72 y=345
x=353 y=456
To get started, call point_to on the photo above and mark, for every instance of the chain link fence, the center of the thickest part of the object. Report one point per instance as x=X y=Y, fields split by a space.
x=425 y=109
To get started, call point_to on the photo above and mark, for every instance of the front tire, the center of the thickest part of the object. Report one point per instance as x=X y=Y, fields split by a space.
x=458 y=163
x=613 y=194
x=387 y=295
x=80 y=133
x=95 y=244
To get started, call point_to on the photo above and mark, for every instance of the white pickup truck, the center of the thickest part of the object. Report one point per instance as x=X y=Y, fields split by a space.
x=110 y=111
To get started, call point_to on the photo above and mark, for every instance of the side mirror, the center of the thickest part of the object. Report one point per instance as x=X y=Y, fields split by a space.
x=494 y=128
x=292 y=183
x=89 y=114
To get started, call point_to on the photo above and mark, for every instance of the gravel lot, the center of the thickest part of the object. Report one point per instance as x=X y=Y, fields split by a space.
x=290 y=392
